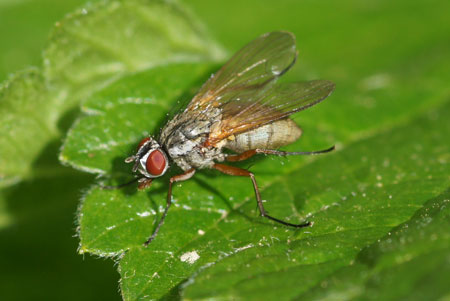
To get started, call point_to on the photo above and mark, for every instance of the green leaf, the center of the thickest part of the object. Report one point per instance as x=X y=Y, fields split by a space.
x=408 y=263
x=392 y=160
x=364 y=192
x=93 y=46
x=24 y=128
x=355 y=197
x=102 y=42
x=379 y=204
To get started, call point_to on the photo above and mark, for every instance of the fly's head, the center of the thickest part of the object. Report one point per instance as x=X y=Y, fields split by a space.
x=150 y=160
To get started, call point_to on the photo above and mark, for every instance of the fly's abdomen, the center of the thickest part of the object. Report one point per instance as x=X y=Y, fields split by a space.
x=269 y=136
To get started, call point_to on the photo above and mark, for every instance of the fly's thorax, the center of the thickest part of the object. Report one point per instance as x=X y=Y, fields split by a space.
x=269 y=136
x=191 y=124
x=184 y=136
x=150 y=159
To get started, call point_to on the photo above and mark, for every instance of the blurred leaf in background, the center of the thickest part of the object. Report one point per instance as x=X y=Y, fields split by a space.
x=24 y=28
x=379 y=203
x=38 y=258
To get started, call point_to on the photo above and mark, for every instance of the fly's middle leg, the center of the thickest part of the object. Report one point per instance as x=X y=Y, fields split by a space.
x=242 y=156
x=235 y=171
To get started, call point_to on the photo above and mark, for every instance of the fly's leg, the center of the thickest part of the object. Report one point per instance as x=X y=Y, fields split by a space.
x=242 y=156
x=283 y=153
x=235 y=171
x=250 y=153
x=144 y=183
x=178 y=178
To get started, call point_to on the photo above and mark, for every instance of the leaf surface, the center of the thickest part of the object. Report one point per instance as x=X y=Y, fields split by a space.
x=354 y=197
x=379 y=203
x=390 y=164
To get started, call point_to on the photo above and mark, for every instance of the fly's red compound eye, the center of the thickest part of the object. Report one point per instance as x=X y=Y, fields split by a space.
x=142 y=142
x=156 y=163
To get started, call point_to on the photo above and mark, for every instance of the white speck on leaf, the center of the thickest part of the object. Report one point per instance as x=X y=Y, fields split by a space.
x=201 y=232
x=223 y=212
x=155 y=274
x=190 y=257
x=143 y=214
x=243 y=248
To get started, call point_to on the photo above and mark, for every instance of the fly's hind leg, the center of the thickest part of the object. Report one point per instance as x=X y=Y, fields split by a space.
x=178 y=178
x=235 y=171
x=250 y=153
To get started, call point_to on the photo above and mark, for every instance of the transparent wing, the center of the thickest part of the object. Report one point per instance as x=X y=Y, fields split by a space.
x=251 y=68
x=254 y=108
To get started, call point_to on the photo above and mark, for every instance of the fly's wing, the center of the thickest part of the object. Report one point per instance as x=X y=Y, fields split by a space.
x=245 y=92
x=254 y=108
x=250 y=69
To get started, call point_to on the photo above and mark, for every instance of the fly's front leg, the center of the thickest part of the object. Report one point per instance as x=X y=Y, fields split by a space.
x=178 y=178
x=235 y=171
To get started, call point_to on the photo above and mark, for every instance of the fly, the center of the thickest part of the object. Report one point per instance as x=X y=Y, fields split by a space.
x=240 y=108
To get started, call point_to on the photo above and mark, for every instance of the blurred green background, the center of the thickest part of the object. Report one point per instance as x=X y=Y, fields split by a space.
x=409 y=38
x=38 y=257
